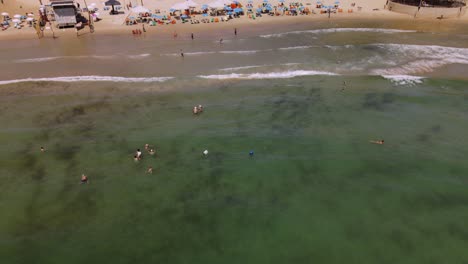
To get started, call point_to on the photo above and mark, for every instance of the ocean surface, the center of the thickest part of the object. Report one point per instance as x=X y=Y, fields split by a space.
x=306 y=99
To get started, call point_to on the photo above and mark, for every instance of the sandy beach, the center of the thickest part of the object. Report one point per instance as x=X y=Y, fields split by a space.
x=362 y=10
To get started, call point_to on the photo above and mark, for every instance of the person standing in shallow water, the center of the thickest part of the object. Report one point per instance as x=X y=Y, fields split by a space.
x=192 y=36
x=235 y=31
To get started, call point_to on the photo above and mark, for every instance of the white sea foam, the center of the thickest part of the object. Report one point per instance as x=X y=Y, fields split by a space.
x=413 y=59
x=36 y=59
x=296 y=47
x=256 y=66
x=269 y=75
x=240 y=51
x=404 y=79
x=90 y=78
x=139 y=56
x=333 y=30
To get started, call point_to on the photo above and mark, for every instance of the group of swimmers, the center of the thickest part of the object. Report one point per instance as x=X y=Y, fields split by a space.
x=139 y=155
x=197 y=109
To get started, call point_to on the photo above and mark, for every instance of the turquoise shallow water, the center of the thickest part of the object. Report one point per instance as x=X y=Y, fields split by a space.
x=315 y=190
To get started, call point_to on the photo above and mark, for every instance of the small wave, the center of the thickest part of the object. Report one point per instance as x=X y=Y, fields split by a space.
x=404 y=79
x=296 y=47
x=270 y=75
x=139 y=56
x=242 y=68
x=412 y=59
x=36 y=59
x=334 y=30
x=240 y=51
x=90 y=78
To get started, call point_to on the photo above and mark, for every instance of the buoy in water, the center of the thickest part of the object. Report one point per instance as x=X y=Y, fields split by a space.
x=205 y=152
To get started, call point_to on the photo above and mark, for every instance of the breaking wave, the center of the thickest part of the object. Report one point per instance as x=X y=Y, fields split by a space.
x=333 y=30
x=404 y=79
x=269 y=75
x=90 y=78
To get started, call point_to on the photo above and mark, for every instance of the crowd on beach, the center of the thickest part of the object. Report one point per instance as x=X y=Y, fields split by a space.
x=187 y=11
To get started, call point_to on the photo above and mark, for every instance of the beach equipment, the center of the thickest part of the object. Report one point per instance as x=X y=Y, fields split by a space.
x=140 y=9
x=112 y=3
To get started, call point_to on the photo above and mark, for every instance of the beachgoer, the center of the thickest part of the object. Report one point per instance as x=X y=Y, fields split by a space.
x=221 y=41
x=251 y=153
x=181 y=53
x=205 y=152
x=150 y=170
x=200 y=108
x=84 y=179
x=195 y=110
x=379 y=142
x=42 y=149
x=138 y=154
x=147 y=146
x=235 y=31
x=135 y=158
x=144 y=29
x=192 y=36
x=151 y=151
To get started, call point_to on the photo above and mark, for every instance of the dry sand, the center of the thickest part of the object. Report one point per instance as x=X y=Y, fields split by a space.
x=115 y=24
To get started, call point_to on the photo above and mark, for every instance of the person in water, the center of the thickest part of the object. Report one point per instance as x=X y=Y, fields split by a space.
x=42 y=149
x=200 y=108
x=139 y=154
x=151 y=151
x=150 y=170
x=195 y=110
x=147 y=146
x=379 y=142
x=135 y=158
x=84 y=179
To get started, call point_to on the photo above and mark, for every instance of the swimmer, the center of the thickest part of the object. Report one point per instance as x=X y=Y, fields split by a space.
x=221 y=41
x=84 y=179
x=150 y=170
x=195 y=110
x=151 y=151
x=205 y=152
x=147 y=146
x=200 y=108
x=135 y=158
x=251 y=153
x=379 y=142
x=42 y=149
x=138 y=154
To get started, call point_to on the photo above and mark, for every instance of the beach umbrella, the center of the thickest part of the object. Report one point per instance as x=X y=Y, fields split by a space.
x=30 y=19
x=259 y=10
x=112 y=3
x=238 y=10
x=16 y=20
x=5 y=14
x=140 y=9
x=227 y=8
x=17 y=16
x=30 y=15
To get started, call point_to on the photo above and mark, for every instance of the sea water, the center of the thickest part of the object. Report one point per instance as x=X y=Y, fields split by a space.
x=307 y=104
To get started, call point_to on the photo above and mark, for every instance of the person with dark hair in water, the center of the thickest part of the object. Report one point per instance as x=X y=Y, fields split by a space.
x=378 y=142
x=84 y=179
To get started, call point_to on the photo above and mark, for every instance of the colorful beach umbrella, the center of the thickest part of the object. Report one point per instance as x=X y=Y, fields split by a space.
x=17 y=16
x=238 y=10
x=16 y=20
x=30 y=19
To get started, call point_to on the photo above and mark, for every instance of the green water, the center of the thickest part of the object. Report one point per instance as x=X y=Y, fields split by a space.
x=315 y=192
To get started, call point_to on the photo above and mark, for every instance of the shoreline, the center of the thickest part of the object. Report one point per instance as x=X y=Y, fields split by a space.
x=244 y=24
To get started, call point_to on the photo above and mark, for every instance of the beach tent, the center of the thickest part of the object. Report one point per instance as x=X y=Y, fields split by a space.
x=181 y=6
x=112 y=3
x=218 y=4
x=140 y=9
